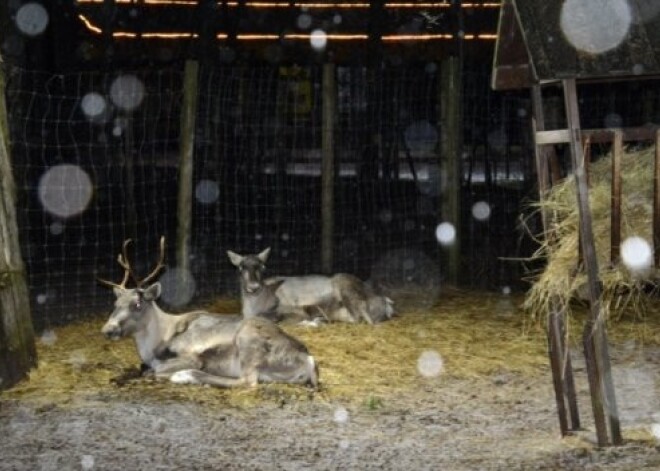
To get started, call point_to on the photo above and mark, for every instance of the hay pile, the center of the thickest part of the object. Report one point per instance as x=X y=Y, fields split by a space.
x=562 y=278
x=475 y=334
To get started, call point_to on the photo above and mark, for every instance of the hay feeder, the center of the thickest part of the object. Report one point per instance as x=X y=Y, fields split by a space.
x=533 y=50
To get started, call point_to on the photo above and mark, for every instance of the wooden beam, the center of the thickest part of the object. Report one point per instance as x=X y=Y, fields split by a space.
x=599 y=371
x=642 y=133
x=187 y=148
x=556 y=136
x=450 y=161
x=597 y=136
x=615 y=223
x=558 y=352
x=656 y=201
x=329 y=118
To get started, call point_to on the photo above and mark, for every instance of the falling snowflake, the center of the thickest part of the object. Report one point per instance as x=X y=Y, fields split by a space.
x=341 y=415
x=430 y=364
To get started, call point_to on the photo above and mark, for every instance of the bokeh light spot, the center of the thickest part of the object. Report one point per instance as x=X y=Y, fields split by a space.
x=318 y=39
x=636 y=254
x=445 y=233
x=430 y=364
x=207 y=191
x=93 y=105
x=595 y=26
x=481 y=210
x=341 y=415
x=48 y=337
x=179 y=287
x=127 y=92
x=32 y=19
x=65 y=190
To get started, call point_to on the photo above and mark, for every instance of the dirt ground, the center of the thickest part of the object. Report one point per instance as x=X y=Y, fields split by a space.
x=503 y=420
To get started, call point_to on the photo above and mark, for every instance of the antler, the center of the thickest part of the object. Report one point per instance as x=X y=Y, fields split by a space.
x=122 y=259
x=159 y=266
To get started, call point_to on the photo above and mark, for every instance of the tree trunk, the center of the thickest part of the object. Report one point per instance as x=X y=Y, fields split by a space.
x=17 y=347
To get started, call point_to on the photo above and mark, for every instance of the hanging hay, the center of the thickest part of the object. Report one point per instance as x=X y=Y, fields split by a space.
x=468 y=335
x=563 y=279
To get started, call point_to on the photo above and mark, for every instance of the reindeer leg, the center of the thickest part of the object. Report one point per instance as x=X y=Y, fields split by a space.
x=351 y=292
x=192 y=376
x=167 y=368
x=250 y=376
x=358 y=309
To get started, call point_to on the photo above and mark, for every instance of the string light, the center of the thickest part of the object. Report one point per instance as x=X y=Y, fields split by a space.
x=293 y=36
x=312 y=5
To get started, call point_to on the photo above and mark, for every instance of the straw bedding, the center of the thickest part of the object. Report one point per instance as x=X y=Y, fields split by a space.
x=563 y=278
x=474 y=333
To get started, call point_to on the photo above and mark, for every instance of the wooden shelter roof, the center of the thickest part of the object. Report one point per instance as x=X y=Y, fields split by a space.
x=535 y=42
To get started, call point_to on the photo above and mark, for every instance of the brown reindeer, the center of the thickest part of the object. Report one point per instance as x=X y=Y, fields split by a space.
x=340 y=297
x=201 y=347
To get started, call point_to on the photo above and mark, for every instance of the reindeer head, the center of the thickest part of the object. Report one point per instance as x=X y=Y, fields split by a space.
x=132 y=305
x=251 y=269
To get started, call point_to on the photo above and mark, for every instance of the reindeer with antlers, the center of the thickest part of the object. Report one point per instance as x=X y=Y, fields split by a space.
x=200 y=347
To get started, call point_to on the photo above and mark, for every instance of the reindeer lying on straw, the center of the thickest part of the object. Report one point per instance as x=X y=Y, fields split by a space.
x=203 y=348
x=340 y=298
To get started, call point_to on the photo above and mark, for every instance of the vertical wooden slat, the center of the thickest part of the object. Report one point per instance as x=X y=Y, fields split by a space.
x=587 y=157
x=450 y=161
x=560 y=364
x=328 y=167
x=555 y=169
x=601 y=385
x=656 y=201
x=597 y=399
x=130 y=203
x=569 y=380
x=615 y=225
x=187 y=146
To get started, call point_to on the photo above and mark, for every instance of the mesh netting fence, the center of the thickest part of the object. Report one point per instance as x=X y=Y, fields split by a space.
x=96 y=159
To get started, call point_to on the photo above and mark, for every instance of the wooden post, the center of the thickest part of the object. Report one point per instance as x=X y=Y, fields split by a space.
x=558 y=352
x=656 y=201
x=451 y=139
x=615 y=223
x=17 y=347
x=187 y=147
x=328 y=167
x=596 y=347
x=554 y=111
x=130 y=208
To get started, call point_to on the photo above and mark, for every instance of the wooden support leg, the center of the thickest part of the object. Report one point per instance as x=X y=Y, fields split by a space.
x=571 y=394
x=596 y=347
x=597 y=401
x=555 y=352
x=560 y=360
x=562 y=372
x=656 y=201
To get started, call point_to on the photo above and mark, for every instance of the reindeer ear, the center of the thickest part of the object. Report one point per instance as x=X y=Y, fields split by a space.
x=235 y=258
x=118 y=291
x=152 y=292
x=263 y=256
